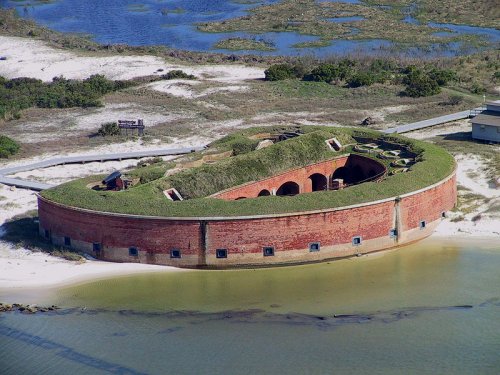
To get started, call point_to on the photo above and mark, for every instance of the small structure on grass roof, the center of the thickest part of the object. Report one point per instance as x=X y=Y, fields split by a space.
x=114 y=181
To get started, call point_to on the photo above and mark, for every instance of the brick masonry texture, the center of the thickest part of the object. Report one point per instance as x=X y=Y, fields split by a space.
x=301 y=176
x=245 y=238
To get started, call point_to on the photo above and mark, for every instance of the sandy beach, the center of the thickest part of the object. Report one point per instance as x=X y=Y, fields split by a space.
x=22 y=268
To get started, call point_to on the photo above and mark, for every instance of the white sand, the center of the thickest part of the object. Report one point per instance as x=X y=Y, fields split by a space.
x=471 y=176
x=34 y=58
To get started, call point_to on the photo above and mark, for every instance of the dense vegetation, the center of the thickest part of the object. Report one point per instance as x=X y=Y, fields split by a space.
x=21 y=93
x=425 y=81
x=178 y=74
x=147 y=199
x=8 y=147
x=108 y=129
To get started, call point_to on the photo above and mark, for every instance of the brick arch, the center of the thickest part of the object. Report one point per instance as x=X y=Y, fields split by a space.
x=288 y=188
x=319 y=182
x=264 y=193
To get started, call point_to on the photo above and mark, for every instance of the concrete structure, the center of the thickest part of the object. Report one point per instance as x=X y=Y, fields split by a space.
x=286 y=238
x=486 y=125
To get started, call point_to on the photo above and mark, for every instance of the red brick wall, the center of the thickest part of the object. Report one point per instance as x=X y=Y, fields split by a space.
x=154 y=235
x=246 y=236
x=429 y=204
x=296 y=232
x=300 y=176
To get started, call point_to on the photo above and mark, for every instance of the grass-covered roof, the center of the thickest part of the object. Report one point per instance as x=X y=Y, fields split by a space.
x=197 y=183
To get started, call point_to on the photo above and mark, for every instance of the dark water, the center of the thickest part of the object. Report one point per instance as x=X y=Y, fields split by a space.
x=431 y=308
x=143 y=23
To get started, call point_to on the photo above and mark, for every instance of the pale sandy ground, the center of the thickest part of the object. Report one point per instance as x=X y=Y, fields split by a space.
x=34 y=58
x=471 y=178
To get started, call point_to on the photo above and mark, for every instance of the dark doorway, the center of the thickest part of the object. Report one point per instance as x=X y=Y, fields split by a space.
x=318 y=182
x=288 y=188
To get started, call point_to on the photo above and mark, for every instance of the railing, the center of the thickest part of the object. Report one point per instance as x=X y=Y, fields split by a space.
x=474 y=112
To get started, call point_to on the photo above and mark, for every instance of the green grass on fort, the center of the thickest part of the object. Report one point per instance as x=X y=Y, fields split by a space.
x=198 y=183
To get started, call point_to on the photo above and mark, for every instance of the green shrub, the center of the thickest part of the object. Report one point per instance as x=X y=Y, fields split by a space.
x=177 y=74
x=361 y=79
x=442 y=76
x=419 y=84
x=21 y=93
x=244 y=146
x=109 y=129
x=279 y=72
x=455 y=100
x=8 y=146
x=327 y=73
x=476 y=88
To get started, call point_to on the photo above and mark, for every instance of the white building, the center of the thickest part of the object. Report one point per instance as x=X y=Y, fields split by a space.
x=486 y=125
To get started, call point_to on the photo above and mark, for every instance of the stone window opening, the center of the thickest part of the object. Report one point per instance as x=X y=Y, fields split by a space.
x=268 y=251
x=314 y=246
x=175 y=253
x=356 y=241
x=221 y=253
x=133 y=251
x=67 y=241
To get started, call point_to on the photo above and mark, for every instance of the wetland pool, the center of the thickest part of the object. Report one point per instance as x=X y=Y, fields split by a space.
x=173 y=24
x=432 y=307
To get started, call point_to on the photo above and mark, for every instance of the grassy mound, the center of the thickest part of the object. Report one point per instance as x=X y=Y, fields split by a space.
x=434 y=164
x=8 y=147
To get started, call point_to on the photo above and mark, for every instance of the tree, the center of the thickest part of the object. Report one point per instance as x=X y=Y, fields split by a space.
x=279 y=72
x=361 y=79
x=419 y=84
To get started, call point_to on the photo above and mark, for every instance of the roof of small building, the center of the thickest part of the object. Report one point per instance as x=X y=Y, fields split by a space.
x=490 y=118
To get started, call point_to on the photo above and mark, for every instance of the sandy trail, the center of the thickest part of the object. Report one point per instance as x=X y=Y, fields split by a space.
x=34 y=58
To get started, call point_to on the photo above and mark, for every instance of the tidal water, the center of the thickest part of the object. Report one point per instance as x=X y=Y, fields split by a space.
x=173 y=23
x=428 y=308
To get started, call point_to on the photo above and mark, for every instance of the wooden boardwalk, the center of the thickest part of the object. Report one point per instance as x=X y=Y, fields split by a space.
x=33 y=185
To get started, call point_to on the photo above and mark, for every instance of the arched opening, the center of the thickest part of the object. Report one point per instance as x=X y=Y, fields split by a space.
x=240 y=198
x=350 y=175
x=264 y=193
x=288 y=188
x=318 y=182
x=341 y=172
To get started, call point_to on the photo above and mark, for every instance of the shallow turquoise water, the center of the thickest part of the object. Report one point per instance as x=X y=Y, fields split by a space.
x=430 y=308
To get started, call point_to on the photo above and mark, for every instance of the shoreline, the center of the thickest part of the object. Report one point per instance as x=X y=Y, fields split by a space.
x=40 y=271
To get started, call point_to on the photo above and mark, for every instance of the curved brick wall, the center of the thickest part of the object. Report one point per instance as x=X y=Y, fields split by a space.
x=301 y=176
x=291 y=235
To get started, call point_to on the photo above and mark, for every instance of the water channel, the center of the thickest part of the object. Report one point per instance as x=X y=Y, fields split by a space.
x=428 y=308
